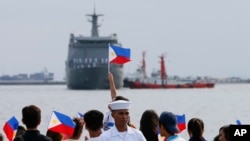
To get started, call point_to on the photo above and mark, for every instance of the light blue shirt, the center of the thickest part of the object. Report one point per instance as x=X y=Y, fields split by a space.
x=175 y=138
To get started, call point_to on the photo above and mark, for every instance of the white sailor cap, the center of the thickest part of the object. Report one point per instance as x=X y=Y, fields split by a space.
x=119 y=105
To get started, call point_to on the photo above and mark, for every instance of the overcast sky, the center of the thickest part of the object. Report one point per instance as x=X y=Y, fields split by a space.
x=199 y=38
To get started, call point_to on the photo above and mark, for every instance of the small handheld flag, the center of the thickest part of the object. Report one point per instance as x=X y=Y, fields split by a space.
x=61 y=123
x=238 y=122
x=80 y=115
x=118 y=55
x=10 y=128
x=108 y=121
x=181 y=122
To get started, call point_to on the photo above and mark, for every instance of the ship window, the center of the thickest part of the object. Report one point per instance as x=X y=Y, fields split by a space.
x=90 y=60
x=86 y=60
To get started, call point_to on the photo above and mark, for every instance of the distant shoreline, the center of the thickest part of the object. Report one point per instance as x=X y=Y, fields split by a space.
x=32 y=83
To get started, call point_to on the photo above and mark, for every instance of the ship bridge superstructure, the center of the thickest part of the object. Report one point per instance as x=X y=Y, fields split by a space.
x=87 y=63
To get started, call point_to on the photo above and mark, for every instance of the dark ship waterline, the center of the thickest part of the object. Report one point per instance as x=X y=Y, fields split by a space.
x=87 y=61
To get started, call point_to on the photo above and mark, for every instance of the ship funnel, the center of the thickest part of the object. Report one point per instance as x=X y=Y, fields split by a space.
x=94 y=21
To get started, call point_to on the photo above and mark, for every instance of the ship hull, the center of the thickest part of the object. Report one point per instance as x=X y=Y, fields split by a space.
x=93 y=78
x=142 y=85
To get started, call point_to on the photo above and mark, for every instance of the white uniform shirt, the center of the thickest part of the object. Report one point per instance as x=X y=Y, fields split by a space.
x=130 y=135
x=93 y=139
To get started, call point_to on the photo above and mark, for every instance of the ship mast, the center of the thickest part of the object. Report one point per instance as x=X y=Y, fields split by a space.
x=144 y=64
x=94 y=30
x=163 y=69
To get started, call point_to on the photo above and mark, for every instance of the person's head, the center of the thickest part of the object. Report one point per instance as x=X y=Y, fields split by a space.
x=20 y=130
x=55 y=136
x=168 y=123
x=216 y=138
x=1 y=137
x=120 y=113
x=149 y=125
x=93 y=120
x=120 y=98
x=195 y=128
x=224 y=133
x=78 y=128
x=31 y=116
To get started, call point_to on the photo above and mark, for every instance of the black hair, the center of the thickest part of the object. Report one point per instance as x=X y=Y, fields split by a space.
x=149 y=125
x=120 y=98
x=31 y=116
x=196 y=128
x=93 y=119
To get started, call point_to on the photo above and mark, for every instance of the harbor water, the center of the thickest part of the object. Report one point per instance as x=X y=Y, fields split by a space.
x=221 y=105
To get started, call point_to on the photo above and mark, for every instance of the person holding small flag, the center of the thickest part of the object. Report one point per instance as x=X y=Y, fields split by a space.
x=108 y=120
x=79 y=123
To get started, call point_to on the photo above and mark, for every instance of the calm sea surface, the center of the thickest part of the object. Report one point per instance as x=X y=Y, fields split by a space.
x=219 y=106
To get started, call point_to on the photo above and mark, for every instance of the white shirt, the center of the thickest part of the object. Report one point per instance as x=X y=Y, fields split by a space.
x=113 y=134
x=94 y=139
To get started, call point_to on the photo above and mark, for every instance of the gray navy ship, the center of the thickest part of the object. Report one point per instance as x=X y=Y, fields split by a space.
x=88 y=60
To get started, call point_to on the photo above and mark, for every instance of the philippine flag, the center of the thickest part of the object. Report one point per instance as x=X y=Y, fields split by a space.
x=181 y=122
x=80 y=115
x=61 y=123
x=119 y=55
x=10 y=128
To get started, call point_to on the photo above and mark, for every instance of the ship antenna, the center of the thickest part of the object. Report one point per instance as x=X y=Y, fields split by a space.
x=144 y=64
x=94 y=30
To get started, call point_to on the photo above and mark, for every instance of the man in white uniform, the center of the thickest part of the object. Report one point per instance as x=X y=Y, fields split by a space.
x=121 y=131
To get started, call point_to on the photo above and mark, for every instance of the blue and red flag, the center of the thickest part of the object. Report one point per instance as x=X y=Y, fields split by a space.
x=10 y=128
x=61 y=123
x=119 y=55
x=80 y=115
x=181 y=122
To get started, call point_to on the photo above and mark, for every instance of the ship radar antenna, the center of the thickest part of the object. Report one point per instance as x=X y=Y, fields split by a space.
x=94 y=21
x=144 y=64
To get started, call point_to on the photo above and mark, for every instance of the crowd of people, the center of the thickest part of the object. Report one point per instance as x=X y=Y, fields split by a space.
x=115 y=125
